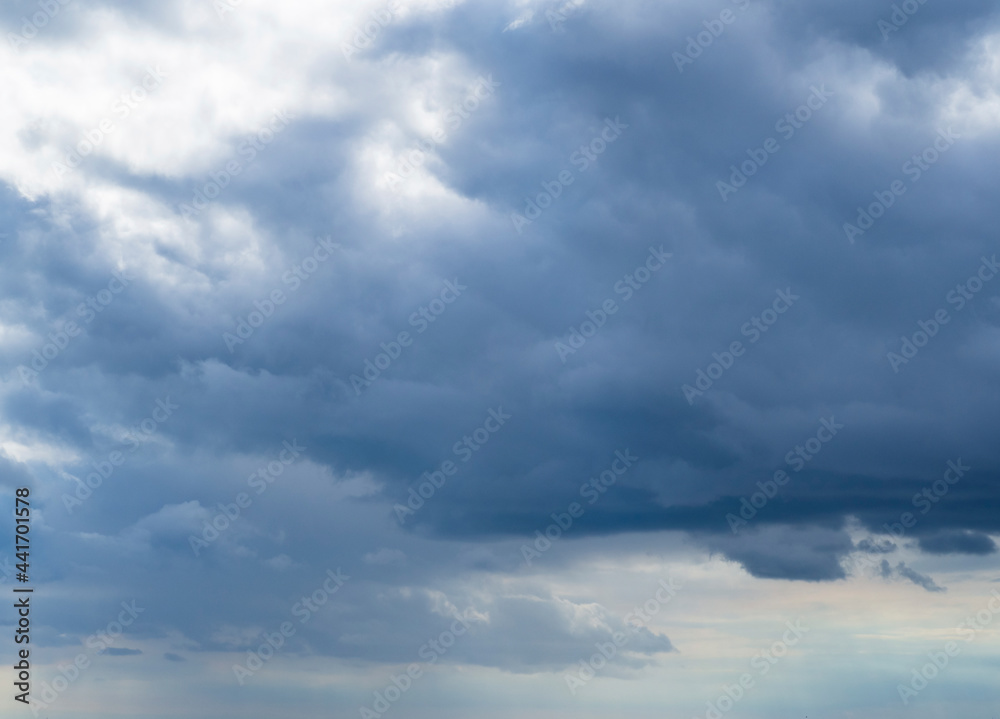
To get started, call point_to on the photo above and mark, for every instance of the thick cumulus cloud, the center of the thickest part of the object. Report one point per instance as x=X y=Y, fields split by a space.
x=573 y=212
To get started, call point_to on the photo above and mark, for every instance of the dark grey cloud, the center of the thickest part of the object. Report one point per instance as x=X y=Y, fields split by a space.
x=887 y=571
x=966 y=542
x=872 y=545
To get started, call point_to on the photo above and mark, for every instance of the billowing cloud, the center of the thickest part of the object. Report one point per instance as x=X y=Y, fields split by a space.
x=400 y=289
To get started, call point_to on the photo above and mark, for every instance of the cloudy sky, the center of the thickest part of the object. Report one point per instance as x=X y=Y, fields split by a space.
x=499 y=358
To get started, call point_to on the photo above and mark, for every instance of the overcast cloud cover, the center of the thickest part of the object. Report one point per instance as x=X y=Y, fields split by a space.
x=220 y=217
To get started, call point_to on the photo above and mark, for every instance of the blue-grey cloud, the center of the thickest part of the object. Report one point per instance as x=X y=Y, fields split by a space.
x=69 y=401
x=966 y=542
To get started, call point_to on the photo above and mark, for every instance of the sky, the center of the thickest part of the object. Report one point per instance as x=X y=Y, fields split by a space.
x=535 y=358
